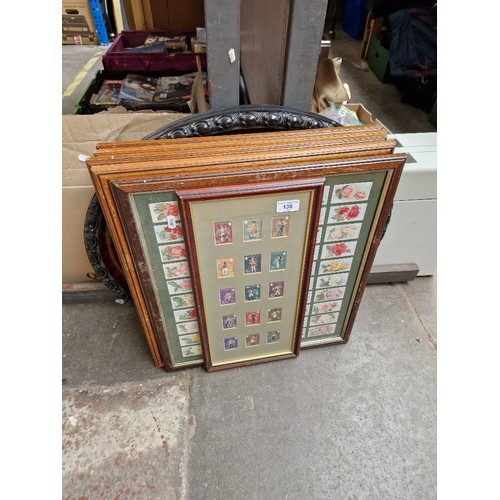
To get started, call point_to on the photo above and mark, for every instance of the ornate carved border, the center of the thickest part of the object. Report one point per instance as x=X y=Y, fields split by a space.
x=101 y=252
x=247 y=118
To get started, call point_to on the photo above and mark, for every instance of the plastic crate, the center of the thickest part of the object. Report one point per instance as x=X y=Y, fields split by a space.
x=378 y=60
x=86 y=107
x=175 y=63
x=354 y=18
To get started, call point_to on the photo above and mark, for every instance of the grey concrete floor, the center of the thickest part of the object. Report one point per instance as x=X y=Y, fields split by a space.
x=80 y=64
x=356 y=421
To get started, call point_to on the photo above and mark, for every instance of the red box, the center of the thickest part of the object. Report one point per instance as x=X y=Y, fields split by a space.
x=117 y=59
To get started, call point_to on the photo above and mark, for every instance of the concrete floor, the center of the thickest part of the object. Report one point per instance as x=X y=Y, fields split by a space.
x=356 y=421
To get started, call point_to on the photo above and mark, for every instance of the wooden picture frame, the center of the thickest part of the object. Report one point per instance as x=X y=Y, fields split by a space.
x=144 y=201
x=249 y=264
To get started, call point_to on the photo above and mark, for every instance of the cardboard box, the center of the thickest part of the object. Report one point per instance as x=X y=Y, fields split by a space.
x=80 y=133
x=197 y=47
x=364 y=116
x=358 y=110
x=172 y=15
x=78 y=26
x=378 y=60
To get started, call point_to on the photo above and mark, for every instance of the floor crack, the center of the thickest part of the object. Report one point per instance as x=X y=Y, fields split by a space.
x=410 y=302
x=188 y=434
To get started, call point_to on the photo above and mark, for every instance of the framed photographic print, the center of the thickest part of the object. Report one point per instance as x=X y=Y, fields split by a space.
x=215 y=244
x=254 y=289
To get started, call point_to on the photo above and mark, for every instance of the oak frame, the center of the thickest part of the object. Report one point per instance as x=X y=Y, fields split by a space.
x=115 y=186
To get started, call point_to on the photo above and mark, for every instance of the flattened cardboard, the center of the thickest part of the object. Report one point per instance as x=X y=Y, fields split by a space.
x=80 y=134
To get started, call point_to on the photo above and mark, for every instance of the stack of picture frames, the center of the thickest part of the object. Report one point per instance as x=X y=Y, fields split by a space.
x=245 y=248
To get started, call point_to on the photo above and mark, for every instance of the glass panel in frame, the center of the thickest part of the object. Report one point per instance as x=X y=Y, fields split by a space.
x=162 y=245
x=349 y=214
x=258 y=284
